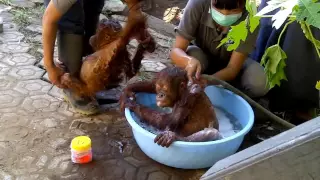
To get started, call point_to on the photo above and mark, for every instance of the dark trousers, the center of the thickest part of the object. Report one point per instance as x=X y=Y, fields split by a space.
x=74 y=31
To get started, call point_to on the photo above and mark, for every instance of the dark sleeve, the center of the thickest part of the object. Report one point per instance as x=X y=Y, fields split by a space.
x=248 y=45
x=63 y=5
x=190 y=19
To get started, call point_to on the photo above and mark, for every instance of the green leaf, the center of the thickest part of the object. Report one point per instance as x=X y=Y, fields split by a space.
x=275 y=79
x=224 y=40
x=272 y=56
x=251 y=7
x=309 y=12
x=239 y=32
x=254 y=23
x=308 y=34
x=318 y=85
x=295 y=9
x=273 y=61
x=236 y=34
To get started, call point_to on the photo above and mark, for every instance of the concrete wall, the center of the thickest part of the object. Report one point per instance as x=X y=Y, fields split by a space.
x=292 y=155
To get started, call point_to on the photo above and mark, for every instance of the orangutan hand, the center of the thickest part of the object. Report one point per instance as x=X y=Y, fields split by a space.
x=165 y=138
x=131 y=104
x=149 y=44
x=126 y=95
x=146 y=40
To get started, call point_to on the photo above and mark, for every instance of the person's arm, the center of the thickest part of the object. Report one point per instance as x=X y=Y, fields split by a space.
x=178 y=53
x=53 y=13
x=233 y=68
x=186 y=33
x=238 y=57
x=49 y=31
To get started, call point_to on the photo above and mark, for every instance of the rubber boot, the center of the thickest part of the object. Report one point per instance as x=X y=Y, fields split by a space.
x=83 y=106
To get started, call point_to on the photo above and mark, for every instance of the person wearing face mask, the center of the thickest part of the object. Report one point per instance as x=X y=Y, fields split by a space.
x=203 y=25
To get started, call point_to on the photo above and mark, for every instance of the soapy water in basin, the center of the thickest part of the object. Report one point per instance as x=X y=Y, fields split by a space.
x=228 y=124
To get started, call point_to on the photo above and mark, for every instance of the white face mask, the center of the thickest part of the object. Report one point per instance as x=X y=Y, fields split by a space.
x=224 y=20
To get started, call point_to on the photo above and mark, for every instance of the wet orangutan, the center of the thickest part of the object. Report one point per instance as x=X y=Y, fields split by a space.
x=110 y=62
x=192 y=118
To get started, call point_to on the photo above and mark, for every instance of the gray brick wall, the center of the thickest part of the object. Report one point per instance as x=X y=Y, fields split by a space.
x=292 y=155
x=299 y=163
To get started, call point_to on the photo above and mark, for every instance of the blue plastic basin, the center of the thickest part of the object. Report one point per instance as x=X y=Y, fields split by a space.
x=195 y=155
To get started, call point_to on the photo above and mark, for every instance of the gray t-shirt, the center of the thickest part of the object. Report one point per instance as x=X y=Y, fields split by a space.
x=63 y=5
x=197 y=25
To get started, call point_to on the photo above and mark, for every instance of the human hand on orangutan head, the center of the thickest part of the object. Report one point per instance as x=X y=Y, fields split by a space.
x=193 y=69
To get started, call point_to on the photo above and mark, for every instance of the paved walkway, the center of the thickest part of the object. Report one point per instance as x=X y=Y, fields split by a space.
x=36 y=126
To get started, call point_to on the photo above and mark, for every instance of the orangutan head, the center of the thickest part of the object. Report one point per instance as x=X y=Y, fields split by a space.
x=169 y=83
x=107 y=31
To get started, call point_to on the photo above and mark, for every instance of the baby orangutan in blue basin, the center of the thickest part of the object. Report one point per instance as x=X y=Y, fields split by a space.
x=192 y=119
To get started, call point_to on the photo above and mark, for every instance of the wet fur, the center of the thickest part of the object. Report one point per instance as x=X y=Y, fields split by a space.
x=110 y=62
x=193 y=117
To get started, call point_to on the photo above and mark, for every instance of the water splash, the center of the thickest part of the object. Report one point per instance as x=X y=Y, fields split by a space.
x=228 y=124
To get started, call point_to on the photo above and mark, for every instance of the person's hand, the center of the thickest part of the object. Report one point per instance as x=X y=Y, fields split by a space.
x=193 y=69
x=55 y=74
x=126 y=94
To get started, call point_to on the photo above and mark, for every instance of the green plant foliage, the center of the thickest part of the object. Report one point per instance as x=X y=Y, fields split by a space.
x=236 y=34
x=251 y=7
x=254 y=23
x=318 y=85
x=309 y=12
x=273 y=61
x=239 y=32
x=306 y=12
x=308 y=34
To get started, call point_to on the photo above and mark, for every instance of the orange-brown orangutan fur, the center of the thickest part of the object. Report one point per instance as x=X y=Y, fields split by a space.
x=192 y=119
x=110 y=60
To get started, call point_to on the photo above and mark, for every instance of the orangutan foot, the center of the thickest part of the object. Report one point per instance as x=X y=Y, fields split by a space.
x=81 y=105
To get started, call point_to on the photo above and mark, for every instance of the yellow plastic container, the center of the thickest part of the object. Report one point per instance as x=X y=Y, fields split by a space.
x=81 y=151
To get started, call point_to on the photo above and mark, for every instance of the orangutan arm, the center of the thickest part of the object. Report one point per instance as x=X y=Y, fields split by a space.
x=166 y=138
x=161 y=120
x=131 y=89
x=152 y=117
x=136 y=60
x=75 y=85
